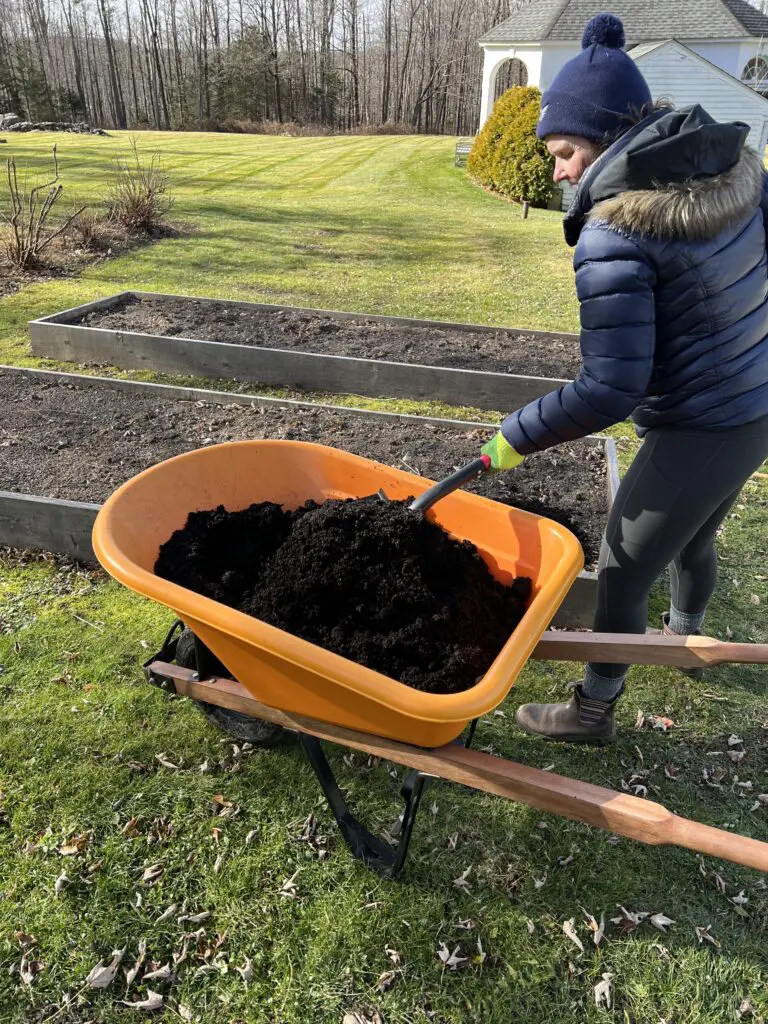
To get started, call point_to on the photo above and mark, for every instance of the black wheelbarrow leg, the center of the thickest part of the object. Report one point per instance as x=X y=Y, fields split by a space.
x=376 y=853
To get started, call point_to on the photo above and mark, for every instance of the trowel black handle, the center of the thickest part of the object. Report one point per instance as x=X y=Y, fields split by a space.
x=462 y=475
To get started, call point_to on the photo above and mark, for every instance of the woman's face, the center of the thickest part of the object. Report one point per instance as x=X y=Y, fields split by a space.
x=573 y=155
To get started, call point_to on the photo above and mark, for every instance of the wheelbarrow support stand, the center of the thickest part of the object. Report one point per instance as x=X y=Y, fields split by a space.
x=631 y=816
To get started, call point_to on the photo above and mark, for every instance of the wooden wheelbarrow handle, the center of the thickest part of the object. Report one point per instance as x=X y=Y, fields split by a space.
x=626 y=815
x=647 y=649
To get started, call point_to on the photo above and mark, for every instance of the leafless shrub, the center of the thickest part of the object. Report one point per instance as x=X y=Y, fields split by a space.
x=27 y=217
x=139 y=198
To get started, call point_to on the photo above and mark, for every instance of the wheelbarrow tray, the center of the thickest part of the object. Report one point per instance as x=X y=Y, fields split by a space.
x=296 y=676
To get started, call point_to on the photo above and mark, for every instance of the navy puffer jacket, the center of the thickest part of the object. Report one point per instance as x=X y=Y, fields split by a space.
x=672 y=281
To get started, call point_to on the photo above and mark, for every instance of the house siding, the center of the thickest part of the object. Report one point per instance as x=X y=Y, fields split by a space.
x=675 y=75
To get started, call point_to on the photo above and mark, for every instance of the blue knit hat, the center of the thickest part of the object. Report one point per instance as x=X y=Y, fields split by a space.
x=593 y=93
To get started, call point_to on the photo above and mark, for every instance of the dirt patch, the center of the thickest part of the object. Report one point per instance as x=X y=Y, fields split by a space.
x=367 y=579
x=69 y=255
x=498 y=352
x=65 y=440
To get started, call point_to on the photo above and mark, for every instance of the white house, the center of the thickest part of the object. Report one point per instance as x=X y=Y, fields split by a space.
x=690 y=51
x=676 y=72
x=729 y=34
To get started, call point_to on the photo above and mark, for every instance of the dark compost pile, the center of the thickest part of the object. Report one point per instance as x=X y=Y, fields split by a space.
x=370 y=580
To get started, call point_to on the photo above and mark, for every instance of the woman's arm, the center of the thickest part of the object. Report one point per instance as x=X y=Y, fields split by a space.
x=614 y=284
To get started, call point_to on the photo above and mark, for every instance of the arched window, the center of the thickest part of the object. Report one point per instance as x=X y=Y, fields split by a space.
x=755 y=73
x=511 y=72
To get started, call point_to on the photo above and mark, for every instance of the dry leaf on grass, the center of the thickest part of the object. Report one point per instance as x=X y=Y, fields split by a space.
x=705 y=935
x=451 y=960
x=74 y=845
x=153 y=1001
x=461 y=882
x=570 y=931
x=162 y=757
x=392 y=954
x=185 y=1013
x=24 y=940
x=740 y=900
x=735 y=741
x=628 y=922
x=289 y=887
x=598 y=930
x=661 y=921
x=604 y=991
x=167 y=914
x=736 y=756
x=131 y=974
x=538 y=883
x=246 y=972
x=250 y=837
x=102 y=976
x=61 y=883
x=152 y=873
x=194 y=918
x=29 y=969
x=163 y=973
x=530 y=926
x=386 y=980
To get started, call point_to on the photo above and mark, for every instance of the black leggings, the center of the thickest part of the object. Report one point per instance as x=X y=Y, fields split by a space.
x=674 y=496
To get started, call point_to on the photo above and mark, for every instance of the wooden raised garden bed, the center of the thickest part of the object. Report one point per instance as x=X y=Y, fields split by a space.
x=317 y=350
x=67 y=441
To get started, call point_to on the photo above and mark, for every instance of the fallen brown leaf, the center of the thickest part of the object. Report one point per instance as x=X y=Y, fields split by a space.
x=461 y=882
x=451 y=960
x=705 y=935
x=153 y=1001
x=661 y=921
x=604 y=991
x=570 y=931
x=152 y=873
x=102 y=976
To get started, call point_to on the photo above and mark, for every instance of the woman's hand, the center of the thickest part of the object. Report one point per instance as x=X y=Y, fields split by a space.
x=501 y=453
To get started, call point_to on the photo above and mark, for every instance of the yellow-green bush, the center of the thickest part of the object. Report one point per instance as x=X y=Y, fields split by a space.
x=507 y=156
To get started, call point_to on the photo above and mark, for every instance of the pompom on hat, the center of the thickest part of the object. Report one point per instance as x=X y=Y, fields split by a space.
x=595 y=91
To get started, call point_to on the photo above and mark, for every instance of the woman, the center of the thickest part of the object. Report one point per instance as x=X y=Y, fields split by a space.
x=668 y=225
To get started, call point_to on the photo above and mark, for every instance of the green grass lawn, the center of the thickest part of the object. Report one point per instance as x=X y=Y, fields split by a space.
x=380 y=225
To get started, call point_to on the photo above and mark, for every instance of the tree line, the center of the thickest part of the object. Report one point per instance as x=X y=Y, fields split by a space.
x=343 y=65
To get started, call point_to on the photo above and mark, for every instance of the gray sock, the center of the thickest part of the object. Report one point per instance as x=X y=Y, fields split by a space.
x=597 y=687
x=685 y=623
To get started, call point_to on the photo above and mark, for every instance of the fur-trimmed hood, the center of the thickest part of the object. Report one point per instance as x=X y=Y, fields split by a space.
x=690 y=211
x=676 y=176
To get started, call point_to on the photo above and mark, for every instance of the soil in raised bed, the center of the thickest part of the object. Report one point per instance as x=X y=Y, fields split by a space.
x=67 y=440
x=498 y=352
x=367 y=579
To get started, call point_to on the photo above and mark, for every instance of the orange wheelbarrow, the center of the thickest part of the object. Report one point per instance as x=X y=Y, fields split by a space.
x=257 y=680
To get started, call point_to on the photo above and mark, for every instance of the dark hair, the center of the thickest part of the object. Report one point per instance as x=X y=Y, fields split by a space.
x=634 y=116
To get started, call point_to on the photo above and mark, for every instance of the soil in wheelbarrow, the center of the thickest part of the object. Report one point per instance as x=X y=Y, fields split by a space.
x=367 y=579
x=501 y=351
x=61 y=439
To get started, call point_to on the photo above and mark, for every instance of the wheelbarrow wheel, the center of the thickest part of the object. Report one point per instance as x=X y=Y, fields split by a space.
x=241 y=727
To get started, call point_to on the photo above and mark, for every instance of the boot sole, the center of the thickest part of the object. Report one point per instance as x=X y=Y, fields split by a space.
x=592 y=741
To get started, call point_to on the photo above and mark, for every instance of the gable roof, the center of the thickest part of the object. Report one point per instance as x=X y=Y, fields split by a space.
x=564 y=20
x=637 y=53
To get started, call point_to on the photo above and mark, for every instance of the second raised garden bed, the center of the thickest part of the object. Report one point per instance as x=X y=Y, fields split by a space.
x=66 y=442
x=317 y=350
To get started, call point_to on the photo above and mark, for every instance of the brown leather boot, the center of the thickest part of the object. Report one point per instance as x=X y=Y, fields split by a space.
x=581 y=720
x=692 y=673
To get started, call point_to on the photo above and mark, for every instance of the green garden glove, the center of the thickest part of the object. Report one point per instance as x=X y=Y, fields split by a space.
x=501 y=453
